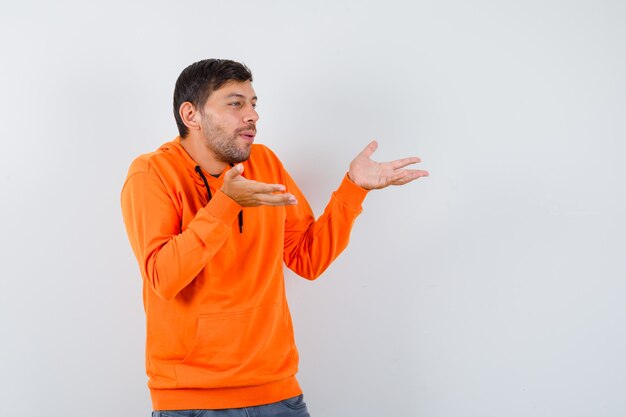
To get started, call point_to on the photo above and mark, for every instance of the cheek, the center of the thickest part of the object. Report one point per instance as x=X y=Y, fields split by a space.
x=232 y=122
x=223 y=122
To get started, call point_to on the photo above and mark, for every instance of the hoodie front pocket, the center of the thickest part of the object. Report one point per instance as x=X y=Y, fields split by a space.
x=249 y=347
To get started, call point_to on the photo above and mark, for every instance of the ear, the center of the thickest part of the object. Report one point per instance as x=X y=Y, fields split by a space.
x=189 y=115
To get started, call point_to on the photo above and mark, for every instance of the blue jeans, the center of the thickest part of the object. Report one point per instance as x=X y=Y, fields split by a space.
x=291 y=407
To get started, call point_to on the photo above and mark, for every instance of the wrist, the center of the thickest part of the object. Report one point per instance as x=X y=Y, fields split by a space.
x=350 y=178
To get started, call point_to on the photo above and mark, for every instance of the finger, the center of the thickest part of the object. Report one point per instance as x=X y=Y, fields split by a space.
x=401 y=163
x=398 y=178
x=409 y=175
x=369 y=149
x=264 y=188
x=234 y=171
x=252 y=186
x=276 y=199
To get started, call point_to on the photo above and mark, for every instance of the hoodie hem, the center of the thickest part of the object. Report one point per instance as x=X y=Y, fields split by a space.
x=221 y=398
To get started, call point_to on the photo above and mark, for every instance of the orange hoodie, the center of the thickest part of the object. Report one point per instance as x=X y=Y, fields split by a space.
x=219 y=332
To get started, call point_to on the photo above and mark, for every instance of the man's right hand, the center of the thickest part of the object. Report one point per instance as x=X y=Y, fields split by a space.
x=249 y=193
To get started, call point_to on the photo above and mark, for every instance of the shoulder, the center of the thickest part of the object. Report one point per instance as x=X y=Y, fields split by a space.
x=149 y=162
x=262 y=152
x=141 y=164
x=264 y=165
x=154 y=169
x=259 y=149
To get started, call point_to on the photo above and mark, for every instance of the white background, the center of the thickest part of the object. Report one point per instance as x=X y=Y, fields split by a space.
x=495 y=287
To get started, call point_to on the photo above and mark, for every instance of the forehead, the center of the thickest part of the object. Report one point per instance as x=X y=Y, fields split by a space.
x=234 y=88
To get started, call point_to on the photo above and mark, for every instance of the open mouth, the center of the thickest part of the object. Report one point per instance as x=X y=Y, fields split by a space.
x=248 y=135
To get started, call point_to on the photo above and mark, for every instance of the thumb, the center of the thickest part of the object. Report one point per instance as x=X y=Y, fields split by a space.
x=369 y=149
x=234 y=171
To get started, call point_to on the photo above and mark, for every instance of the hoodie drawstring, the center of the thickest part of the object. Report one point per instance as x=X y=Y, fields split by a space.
x=206 y=184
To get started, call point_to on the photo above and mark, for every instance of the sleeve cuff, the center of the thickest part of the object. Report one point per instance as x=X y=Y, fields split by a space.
x=223 y=208
x=350 y=194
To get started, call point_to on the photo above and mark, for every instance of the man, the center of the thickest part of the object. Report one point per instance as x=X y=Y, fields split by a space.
x=211 y=218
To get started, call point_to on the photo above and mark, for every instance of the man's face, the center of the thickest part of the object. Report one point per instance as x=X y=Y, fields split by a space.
x=229 y=121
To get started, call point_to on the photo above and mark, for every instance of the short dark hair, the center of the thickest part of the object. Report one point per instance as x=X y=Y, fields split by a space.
x=196 y=83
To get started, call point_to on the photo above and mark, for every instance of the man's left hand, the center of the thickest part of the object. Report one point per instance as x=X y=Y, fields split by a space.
x=373 y=175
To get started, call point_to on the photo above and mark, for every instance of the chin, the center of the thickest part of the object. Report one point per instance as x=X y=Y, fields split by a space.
x=238 y=158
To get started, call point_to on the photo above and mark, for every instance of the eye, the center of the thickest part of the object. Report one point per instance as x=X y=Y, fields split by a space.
x=235 y=104
x=254 y=105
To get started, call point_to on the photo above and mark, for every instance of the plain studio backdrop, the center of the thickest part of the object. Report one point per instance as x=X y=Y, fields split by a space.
x=495 y=287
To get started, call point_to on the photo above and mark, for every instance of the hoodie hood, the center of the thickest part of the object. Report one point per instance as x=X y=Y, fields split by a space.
x=175 y=150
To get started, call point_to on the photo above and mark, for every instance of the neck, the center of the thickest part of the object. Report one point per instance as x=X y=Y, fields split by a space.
x=201 y=154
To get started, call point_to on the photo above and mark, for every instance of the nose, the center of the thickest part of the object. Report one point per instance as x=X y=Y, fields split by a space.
x=251 y=115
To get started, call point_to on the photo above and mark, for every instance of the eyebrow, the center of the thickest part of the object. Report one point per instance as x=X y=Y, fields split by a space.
x=240 y=95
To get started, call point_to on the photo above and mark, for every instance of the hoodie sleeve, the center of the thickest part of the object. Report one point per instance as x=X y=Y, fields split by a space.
x=311 y=245
x=169 y=259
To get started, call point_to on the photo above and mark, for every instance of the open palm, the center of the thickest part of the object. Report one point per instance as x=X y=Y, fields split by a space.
x=372 y=175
